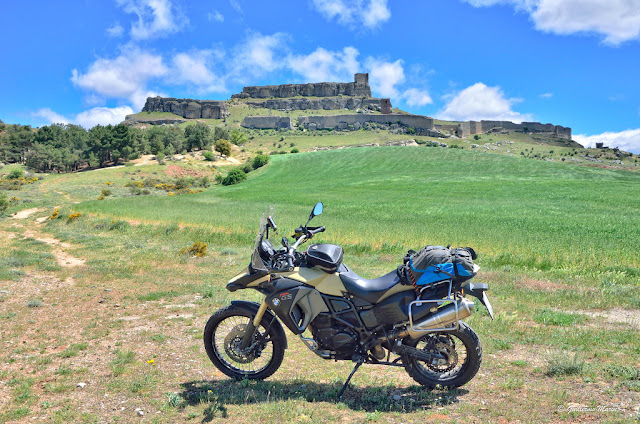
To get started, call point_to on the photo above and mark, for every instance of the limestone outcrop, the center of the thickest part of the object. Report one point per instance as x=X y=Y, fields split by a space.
x=267 y=122
x=358 y=88
x=325 y=103
x=188 y=108
x=422 y=125
x=481 y=127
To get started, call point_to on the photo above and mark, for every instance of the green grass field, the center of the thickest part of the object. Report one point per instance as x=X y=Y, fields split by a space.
x=107 y=299
x=516 y=212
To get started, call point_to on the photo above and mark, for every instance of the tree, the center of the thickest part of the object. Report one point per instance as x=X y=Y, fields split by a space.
x=197 y=136
x=223 y=147
x=220 y=133
x=237 y=137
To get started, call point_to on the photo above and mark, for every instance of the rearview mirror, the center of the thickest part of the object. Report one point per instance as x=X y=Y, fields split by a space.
x=317 y=210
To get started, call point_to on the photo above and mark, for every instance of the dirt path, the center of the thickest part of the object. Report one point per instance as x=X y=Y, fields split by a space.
x=25 y=213
x=63 y=258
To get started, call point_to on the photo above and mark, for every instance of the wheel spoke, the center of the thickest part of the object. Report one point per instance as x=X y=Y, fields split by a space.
x=226 y=341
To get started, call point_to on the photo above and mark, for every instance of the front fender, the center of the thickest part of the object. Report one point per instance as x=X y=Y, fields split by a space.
x=253 y=307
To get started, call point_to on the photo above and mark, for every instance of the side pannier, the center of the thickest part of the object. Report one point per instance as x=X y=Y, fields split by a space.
x=437 y=263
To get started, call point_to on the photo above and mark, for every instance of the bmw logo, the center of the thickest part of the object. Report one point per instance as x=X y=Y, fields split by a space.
x=276 y=301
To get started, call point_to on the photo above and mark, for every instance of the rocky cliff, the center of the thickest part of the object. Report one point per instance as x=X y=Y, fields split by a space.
x=358 y=88
x=481 y=127
x=324 y=103
x=187 y=108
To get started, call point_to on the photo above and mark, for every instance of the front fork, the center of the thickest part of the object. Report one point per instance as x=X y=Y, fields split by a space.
x=252 y=325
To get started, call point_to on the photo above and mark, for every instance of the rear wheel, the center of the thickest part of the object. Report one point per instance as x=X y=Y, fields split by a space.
x=455 y=358
x=222 y=337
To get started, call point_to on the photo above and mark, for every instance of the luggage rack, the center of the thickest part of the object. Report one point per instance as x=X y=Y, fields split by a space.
x=437 y=302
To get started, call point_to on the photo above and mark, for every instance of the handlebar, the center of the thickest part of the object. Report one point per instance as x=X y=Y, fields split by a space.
x=317 y=230
x=310 y=232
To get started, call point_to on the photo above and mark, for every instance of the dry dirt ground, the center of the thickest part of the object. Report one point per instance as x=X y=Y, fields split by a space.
x=95 y=351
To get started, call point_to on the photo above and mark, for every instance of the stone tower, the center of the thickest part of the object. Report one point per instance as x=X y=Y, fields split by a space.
x=385 y=106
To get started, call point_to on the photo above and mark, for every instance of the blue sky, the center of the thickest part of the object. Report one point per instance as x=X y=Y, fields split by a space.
x=568 y=62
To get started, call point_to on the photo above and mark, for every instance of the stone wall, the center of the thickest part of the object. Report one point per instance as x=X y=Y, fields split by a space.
x=267 y=122
x=358 y=88
x=481 y=127
x=325 y=103
x=187 y=108
x=422 y=124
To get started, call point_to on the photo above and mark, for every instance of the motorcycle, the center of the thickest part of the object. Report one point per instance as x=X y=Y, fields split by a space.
x=348 y=317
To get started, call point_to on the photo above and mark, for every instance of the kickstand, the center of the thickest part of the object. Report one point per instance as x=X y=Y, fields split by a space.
x=346 y=383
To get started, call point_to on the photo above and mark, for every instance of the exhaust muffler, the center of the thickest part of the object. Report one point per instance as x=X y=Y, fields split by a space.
x=442 y=318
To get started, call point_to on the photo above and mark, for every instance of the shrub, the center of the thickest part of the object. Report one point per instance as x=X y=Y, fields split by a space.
x=73 y=216
x=55 y=213
x=209 y=156
x=295 y=150
x=105 y=192
x=34 y=303
x=204 y=182
x=476 y=137
x=4 y=202
x=234 y=176
x=259 y=161
x=15 y=174
x=198 y=249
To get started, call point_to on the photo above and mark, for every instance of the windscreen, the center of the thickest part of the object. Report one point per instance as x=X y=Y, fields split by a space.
x=256 y=261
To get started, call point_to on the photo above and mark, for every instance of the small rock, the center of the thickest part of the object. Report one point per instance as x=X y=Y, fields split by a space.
x=4 y=292
x=107 y=289
x=81 y=385
x=140 y=412
x=397 y=397
x=303 y=386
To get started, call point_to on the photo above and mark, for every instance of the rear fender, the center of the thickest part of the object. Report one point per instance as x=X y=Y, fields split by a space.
x=253 y=307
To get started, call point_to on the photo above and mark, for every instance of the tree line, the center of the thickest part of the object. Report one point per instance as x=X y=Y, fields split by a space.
x=68 y=148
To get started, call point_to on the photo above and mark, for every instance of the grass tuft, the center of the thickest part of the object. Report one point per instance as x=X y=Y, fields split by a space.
x=562 y=364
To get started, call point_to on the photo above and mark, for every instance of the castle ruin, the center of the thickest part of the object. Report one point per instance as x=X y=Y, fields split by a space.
x=188 y=108
x=358 y=88
x=480 y=127
x=316 y=96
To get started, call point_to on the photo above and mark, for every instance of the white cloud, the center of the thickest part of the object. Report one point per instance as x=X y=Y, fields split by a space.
x=384 y=76
x=261 y=53
x=546 y=95
x=628 y=140
x=236 y=6
x=194 y=69
x=325 y=65
x=102 y=116
x=479 y=102
x=88 y=118
x=616 y=20
x=116 y=30
x=124 y=77
x=416 y=97
x=215 y=16
x=50 y=116
x=156 y=18
x=369 y=13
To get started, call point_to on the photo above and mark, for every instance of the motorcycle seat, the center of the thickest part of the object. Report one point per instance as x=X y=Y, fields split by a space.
x=369 y=290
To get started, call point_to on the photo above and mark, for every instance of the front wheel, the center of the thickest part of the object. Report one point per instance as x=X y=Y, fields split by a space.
x=223 y=335
x=455 y=358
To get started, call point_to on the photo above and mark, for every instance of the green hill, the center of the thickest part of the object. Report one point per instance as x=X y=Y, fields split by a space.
x=110 y=300
x=518 y=212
